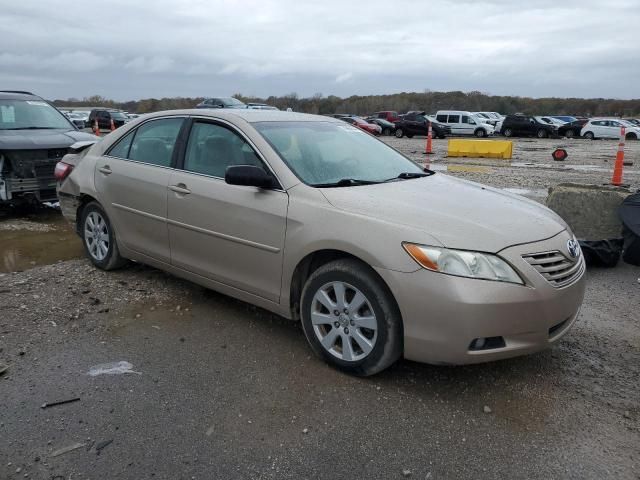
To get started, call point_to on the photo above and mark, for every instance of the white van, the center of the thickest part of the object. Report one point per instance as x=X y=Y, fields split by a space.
x=465 y=123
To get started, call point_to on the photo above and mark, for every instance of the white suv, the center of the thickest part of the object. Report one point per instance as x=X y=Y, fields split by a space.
x=465 y=123
x=609 y=128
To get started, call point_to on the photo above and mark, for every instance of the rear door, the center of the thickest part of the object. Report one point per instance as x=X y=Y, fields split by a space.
x=454 y=122
x=132 y=180
x=228 y=233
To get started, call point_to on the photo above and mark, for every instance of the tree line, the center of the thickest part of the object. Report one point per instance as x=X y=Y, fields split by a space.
x=401 y=102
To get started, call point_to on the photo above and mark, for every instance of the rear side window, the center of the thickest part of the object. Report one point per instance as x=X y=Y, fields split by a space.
x=465 y=119
x=154 y=141
x=212 y=148
x=454 y=119
x=121 y=149
x=442 y=118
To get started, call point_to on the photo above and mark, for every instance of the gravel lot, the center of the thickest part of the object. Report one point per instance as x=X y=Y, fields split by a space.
x=222 y=389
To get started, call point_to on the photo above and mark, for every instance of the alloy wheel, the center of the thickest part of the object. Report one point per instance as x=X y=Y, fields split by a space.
x=96 y=236
x=344 y=321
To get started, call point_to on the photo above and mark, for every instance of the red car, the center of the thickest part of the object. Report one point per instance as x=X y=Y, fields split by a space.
x=388 y=115
x=363 y=124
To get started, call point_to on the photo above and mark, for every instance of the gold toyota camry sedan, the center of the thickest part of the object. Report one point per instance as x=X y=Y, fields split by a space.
x=318 y=221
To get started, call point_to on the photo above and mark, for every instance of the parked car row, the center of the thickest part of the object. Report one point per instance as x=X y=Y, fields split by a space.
x=230 y=102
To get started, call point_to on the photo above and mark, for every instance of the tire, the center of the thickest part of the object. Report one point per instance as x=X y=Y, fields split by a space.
x=97 y=232
x=507 y=132
x=480 y=133
x=409 y=135
x=386 y=131
x=542 y=133
x=399 y=133
x=570 y=133
x=589 y=136
x=631 y=136
x=442 y=136
x=371 y=349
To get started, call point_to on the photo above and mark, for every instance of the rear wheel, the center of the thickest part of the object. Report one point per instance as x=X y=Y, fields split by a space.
x=507 y=132
x=99 y=239
x=589 y=136
x=350 y=319
x=569 y=133
x=409 y=135
x=399 y=133
x=542 y=133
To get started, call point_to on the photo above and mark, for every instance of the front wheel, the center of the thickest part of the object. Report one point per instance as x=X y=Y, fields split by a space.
x=480 y=133
x=507 y=132
x=542 y=133
x=350 y=318
x=631 y=136
x=386 y=131
x=98 y=238
x=399 y=133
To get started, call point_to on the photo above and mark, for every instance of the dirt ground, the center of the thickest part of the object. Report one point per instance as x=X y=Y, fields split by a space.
x=216 y=388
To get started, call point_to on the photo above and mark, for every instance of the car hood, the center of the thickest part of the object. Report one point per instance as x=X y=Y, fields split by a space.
x=37 y=139
x=458 y=213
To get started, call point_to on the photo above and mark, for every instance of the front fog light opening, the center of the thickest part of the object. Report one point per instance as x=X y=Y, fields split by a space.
x=486 y=343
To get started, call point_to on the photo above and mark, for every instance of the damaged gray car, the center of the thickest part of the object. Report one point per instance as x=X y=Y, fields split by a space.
x=34 y=136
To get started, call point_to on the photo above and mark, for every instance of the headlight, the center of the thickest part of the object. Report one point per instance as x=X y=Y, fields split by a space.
x=463 y=263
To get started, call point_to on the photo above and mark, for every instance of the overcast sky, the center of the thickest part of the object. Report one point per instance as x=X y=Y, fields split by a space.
x=132 y=49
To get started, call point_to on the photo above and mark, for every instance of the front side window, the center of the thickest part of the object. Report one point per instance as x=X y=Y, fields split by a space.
x=325 y=152
x=121 y=149
x=155 y=140
x=454 y=119
x=31 y=115
x=442 y=118
x=212 y=148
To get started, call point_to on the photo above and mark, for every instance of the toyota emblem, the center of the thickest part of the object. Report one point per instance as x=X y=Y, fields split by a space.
x=574 y=248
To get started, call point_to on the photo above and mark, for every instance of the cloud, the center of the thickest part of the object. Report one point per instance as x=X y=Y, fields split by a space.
x=345 y=77
x=190 y=47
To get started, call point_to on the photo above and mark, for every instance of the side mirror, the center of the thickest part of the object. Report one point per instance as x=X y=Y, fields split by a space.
x=248 y=176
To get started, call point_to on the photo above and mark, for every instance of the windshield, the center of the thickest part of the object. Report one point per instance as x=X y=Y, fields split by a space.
x=30 y=114
x=118 y=115
x=323 y=152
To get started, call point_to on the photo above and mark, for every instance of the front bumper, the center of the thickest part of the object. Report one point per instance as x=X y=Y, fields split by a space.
x=443 y=314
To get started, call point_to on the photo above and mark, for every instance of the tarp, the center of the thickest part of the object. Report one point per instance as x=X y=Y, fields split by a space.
x=629 y=213
x=601 y=253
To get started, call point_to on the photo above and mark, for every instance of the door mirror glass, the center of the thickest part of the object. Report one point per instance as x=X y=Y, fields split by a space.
x=248 y=175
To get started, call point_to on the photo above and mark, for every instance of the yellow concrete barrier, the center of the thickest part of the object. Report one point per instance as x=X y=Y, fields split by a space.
x=480 y=148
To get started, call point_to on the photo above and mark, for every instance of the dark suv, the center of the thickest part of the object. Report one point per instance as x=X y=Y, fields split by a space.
x=221 y=102
x=525 y=126
x=104 y=117
x=34 y=136
x=415 y=123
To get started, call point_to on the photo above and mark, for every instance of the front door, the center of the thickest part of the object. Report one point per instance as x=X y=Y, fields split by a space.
x=231 y=234
x=132 y=179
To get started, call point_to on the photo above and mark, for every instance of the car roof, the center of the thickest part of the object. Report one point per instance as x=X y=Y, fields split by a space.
x=249 y=115
x=17 y=95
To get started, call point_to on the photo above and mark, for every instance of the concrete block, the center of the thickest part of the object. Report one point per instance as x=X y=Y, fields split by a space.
x=590 y=210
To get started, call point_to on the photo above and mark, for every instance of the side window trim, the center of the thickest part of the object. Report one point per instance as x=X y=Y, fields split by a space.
x=233 y=129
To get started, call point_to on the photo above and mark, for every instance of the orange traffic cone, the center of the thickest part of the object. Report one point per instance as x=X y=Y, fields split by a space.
x=113 y=127
x=429 y=149
x=96 y=128
x=619 y=166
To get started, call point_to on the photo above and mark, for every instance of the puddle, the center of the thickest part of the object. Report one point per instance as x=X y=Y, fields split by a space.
x=536 y=193
x=114 y=368
x=40 y=238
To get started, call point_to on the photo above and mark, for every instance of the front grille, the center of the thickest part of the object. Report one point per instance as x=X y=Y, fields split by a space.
x=555 y=267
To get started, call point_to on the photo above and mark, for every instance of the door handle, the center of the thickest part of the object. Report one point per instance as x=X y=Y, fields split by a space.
x=106 y=169
x=180 y=188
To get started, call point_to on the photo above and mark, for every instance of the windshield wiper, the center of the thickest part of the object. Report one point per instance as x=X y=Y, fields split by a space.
x=409 y=175
x=345 y=182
